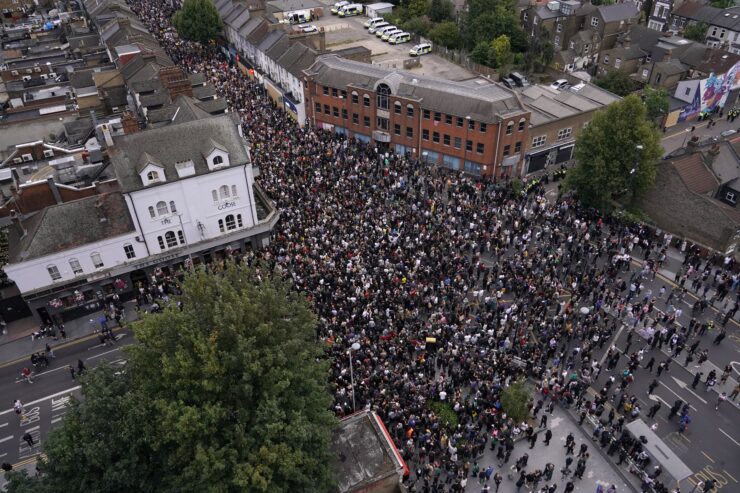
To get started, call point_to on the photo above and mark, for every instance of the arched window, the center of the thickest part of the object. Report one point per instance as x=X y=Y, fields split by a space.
x=161 y=242
x=383 y=92
x=53 y=272
x=221 y=225
x=218 y=160
x=97 y=260
x=162 y=208
x=409 y=110
x=223 y=190
x=355 y=97
x=75 y=266
x=239 y=222
x=366 y=100
x=230 y=222
x=233 y=190
x=214 y=194
x=152 y=176
x=169 y=237
x=173 y=209
x=522 y=122
x=509 y=128
x=151 y=212
x=397 y=107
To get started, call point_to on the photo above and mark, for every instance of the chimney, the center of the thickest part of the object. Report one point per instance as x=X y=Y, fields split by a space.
x=15 y=218
x=54 y=190
x=129 y=122
x=667 y=55
x=626 y=42
x=175 y=82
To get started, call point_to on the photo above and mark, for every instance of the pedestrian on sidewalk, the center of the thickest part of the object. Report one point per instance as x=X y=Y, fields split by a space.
x=497 y=478
x=735 y=392
x=532 y=440
x=543 y=421
x=583 y=450
x=62 y=332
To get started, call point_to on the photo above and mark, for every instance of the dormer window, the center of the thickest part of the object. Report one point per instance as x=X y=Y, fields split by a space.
x=217 y=156
x=218 y=160
x=153 y=176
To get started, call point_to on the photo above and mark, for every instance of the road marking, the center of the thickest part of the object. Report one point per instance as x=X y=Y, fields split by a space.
x=45 y=372
x=684 y=386
x=679 y=396
x=733 y=477
x=4 y=425
x=33 y=428
x=616 y=338
x=56 y=420
x=103 y=354
x=705 y=455
x=6 y=438
x=3 y=455
x=68 y=391
x=728 y=436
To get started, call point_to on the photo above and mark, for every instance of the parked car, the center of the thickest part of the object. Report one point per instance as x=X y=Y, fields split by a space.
x=351 y=10
x=559 y=84
x=508 y=82
x=309 y=28
x=420 y=49
x=519 y=79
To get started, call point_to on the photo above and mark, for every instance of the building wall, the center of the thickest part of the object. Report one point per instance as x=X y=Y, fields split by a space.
x=33 y=274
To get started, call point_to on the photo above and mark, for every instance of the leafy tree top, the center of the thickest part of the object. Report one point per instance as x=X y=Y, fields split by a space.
x=198 y=20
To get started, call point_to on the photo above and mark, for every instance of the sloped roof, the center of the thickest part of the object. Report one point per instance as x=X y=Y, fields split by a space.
x=71 y=225
x=717 y=61
x=618 y=11
x=694 y=173
x=687 y=9
x=671 y=67
x=183 y=109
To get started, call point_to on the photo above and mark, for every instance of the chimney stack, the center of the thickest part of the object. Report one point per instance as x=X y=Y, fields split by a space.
x=129 y=122
x=667 y=55
x=15 y=218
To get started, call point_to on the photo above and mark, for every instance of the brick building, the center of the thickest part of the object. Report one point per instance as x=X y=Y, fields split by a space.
x=474 y=126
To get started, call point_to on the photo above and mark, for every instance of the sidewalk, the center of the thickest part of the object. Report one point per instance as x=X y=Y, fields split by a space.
x=76 y=329
x=675 y=136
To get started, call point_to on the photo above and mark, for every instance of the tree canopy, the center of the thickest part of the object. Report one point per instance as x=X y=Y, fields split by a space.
x=616 y=81
x=656 y=102
x=198 y=20
x=515 y=400
x=696 y=32
x=228 y=394
x=608 y=160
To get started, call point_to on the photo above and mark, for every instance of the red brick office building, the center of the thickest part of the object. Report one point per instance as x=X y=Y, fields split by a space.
x=474 y=126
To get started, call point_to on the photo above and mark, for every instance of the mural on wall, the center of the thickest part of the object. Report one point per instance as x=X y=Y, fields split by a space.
x=712 y=93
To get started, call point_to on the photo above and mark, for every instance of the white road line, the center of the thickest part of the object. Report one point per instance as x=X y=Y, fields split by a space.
x=102 y=354
x=5 y=439
x=33 y=428
x=49 y=371
x=3 y=425
x=2 y=455
x=56 y=420
x=68 y=391
x=679 y=396
x=728 y=436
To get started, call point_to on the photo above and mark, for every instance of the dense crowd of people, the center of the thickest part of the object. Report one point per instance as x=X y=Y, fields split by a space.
x=453 y=287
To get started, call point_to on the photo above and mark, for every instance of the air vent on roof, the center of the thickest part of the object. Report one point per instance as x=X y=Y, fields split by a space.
x=554 y=5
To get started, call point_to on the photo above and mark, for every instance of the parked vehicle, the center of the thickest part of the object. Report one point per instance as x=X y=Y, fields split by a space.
x=399 y=38
x=420 y=49
x=297 y=17
x=380 y=32
x=386 y=35
x=337 y=6
x=508 y=82
x=309 y=28
x=519 y=79
x=379 y=25
x=351 y=10
x=373 y=22
x=559 y=84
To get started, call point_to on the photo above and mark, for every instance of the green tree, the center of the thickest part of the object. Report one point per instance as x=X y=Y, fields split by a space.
x=417 y=8
x=228 y=394
x=515 y=400
x=616 y=81
x=500 y=53
x=608 y=159
x=480 y=53
x=441 y=10
x=446 y=34
x=419 y=25
x=696 y=32
x=656 y=102
x=539 y=53
x=198 y=20
x=722 y=4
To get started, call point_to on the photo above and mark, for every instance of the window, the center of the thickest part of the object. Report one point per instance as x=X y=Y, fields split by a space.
x=181 y=237
x=646 y=73
x=437 y=116
x=53 y=272
x=425 y=134
x=458 y=143
x=218 y=160
x=426 y=114
x=471 y=124
x=173 y=209
x=507 y=150
x=397 y=129
x=343 y=94
x=355 y=119
x=448 y=119
x=518 y=147
x=483 y=127
x=509 y=128
x=714 y=31
x=730 y=197
x=594 y=22
x=162 y=208
x=409 y=110
x=459 y=122
x=97 y=260
x=230 y=222
x=355 y=98
x=223 y=191
x=344 y=113
x=383 y=92
x=151 y=212
x=446 y=140
x=233 y=190
x=586 y=48
x=410 y=132
x=152 y=176
x=326 y=91
x=128 y=249
x=469 y=145
x=617 y=62
x=687 y=91
x=522 y=122
x=479 y=148
x=74 y=264
x=366 y=100
x=606 y=59
x=564 y=133
x=327 y=110
x=366 y=121
x=559 y=28
x=397 y=107
x=221 y=225
x=214 y=195
x=383 y=123
x=317 y=107
x=539 y=141
x=239 y=222
x=334 y=92
x=435 y=137
x=335 y=111
x=161 y=242
x=169 y=238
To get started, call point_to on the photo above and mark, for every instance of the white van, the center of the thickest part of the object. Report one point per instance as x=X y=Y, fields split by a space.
x=380 y=32
x=350 y=10
x=337 y=6
x=399 y=38
x=387 y=35
x=372 y=22
x=420 y=49
x=379 y=25
x=297 y=17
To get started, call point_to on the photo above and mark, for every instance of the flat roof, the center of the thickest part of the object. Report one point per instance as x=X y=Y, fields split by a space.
x=660 y=451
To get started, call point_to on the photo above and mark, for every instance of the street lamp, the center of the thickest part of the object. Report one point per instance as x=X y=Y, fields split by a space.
x=633 y=171
x=686 y=131
x=353 y=347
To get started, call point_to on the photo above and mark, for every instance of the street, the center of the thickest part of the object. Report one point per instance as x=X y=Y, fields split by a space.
x=47 y=399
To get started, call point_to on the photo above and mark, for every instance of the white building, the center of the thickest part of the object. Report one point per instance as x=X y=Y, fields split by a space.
x=186 y=190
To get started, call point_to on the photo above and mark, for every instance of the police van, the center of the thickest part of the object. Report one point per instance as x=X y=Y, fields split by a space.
x=337 y=6
x=350 y=10
x=420 y=49
x=399 y=38
x=380 y=32
x=387 y=35
x=373 y=22
x=376 y=27
x=297 y=17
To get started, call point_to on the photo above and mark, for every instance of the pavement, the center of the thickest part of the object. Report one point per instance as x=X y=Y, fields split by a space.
x=676 y=136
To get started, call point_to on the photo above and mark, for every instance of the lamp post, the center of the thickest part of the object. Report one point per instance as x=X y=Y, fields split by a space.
x=687 y=131
x=353 y=347
x=633 y=171
x=465 y=152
